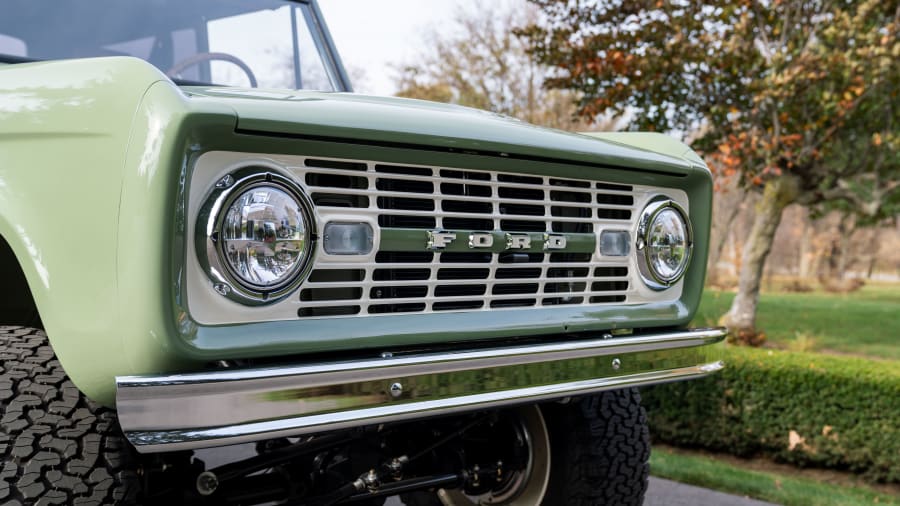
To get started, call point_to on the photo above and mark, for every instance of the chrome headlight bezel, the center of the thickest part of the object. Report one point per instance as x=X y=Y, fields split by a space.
x=211 y=249
x=649 y=274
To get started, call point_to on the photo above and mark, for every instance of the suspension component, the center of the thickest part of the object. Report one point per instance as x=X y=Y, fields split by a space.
x=396 y=467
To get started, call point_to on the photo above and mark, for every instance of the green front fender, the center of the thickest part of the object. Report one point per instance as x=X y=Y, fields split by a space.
x=80 y=143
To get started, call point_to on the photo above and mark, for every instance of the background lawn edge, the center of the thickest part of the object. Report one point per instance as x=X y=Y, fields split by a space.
x=706 y=471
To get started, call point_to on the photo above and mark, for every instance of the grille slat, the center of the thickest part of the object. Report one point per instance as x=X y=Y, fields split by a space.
x=463 y=265
x=477 y=198
x=433 y=198
x=410 y=300
x=548 y=219
x=613 y=189
x=468 y=281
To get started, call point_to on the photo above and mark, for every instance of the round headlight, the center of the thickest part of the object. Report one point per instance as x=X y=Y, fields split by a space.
x=664 y=244
x=258 y=237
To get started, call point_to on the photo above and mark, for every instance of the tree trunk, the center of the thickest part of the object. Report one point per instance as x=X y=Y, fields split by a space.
x=741 y=318
x=806 y=250
x=871 y=269
x=874 y=246
x=715 y=253
x=845 y=233
x=737 y=249
x=869 y=256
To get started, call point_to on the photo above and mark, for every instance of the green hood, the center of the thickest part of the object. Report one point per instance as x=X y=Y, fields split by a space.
x=419 y=124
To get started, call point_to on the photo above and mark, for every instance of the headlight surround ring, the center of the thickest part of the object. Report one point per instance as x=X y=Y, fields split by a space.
x=211 y=241
x=648 y=244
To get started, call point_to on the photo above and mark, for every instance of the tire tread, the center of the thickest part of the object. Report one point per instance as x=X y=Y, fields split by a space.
x=57 y=446
x=604 y=444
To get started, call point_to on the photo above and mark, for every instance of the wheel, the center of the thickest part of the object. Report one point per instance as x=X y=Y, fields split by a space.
x=57 y=446
x=593 y=451
x=198 y=58
x=600 y=450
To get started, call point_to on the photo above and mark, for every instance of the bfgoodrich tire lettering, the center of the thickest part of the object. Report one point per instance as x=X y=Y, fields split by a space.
x=57 y=446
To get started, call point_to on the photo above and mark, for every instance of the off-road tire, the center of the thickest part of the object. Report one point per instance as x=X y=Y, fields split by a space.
x=599 y=453
x=57 y=446
x=600 y=450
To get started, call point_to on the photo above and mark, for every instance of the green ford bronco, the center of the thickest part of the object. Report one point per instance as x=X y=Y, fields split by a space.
x=207 y=240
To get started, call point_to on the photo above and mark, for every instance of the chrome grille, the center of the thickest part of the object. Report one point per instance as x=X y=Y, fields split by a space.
x=434 y=198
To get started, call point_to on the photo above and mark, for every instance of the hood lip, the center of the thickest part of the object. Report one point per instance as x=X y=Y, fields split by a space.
x=426 y=126
x=507 y=155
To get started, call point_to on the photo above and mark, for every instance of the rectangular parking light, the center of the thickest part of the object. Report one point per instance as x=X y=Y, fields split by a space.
x=348 y=238
x=615 y=243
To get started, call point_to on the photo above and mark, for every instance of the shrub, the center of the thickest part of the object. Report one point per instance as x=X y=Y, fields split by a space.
x=800 y=408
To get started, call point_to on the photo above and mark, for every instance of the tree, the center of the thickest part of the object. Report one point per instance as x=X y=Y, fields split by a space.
x=479 y=62
x=798 y=98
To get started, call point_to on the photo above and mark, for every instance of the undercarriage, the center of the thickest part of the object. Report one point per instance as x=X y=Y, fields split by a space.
x=491 y=457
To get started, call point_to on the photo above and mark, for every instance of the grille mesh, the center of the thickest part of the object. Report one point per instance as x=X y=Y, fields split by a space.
x=448 y=199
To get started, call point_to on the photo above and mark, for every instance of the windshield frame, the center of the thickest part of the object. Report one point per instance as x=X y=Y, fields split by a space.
x=327 y=48
x=318 y=31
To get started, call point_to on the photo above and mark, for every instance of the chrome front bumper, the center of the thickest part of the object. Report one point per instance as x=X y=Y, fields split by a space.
x=222 y=407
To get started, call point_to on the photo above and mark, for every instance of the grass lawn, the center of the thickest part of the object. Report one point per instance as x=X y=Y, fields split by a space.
x=788 y=490
x=865 y=322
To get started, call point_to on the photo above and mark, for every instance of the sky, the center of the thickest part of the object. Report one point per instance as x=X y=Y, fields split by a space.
x=373 y=36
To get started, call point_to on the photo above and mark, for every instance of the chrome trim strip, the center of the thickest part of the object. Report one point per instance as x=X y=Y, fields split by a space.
x=195 y=410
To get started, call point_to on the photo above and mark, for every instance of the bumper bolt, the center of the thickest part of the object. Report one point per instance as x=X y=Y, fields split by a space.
x=396 y=389
x=616 y=364
x=207 y=483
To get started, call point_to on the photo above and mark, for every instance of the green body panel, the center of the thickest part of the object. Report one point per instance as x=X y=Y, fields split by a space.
x=412 y=239
x=64 y=129
x=406 y=122
x=93 y=175
x=650 y=141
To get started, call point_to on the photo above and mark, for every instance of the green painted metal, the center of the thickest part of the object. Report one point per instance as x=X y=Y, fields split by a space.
x=410 y=239
x=650 y=141
x=95 y=156
x=64 y=129
x=419 y=123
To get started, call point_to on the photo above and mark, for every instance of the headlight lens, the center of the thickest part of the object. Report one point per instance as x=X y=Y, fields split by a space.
x=264 y=237
x=664 y=244
x=258 y=236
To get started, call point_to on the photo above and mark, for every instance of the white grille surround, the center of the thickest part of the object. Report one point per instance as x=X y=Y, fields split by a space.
x=402 y=202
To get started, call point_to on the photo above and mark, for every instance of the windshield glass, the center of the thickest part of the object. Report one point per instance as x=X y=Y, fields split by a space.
x=259 y=43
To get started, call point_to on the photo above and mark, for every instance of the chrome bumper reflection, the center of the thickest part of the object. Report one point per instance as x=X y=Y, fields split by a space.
x=196 y=410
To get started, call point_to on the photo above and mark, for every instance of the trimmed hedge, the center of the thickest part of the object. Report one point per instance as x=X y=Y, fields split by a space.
x=800 y=408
